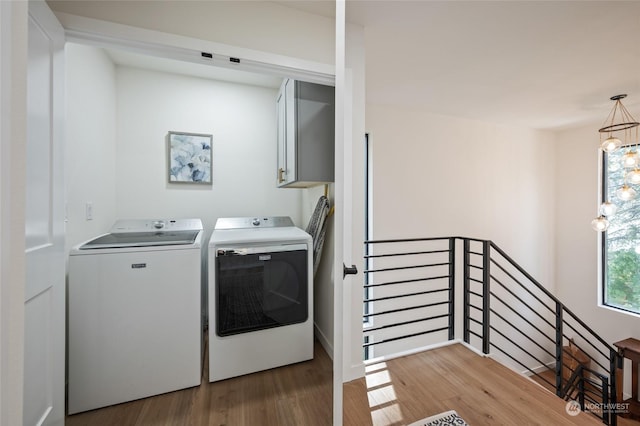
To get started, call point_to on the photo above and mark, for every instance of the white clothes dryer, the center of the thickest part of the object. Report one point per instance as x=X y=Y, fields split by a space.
x=134 y=313
x=260 y=295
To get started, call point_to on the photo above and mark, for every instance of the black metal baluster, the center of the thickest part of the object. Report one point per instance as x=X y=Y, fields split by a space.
x=559 y=349
x=615 y=363
x=486 y=291
x=608 y=410
x=452 y=284
x=581 y=387
x=465 y=278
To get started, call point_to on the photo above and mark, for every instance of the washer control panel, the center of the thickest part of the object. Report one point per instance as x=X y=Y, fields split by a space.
x=156 y=225
x=253 y=222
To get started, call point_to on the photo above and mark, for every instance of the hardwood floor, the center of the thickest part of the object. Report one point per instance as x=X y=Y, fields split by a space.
x=397 y=392
x=482 y=391
x=298 y=394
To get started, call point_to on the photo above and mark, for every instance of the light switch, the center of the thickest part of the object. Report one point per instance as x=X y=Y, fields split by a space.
x=88 y=210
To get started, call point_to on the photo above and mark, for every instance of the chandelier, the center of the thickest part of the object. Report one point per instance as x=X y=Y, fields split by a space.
x=619 y=124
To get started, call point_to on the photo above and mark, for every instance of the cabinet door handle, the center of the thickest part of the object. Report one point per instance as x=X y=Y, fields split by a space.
x=280 y=175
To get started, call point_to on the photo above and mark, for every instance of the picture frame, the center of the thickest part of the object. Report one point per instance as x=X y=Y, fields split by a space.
x=189 y=158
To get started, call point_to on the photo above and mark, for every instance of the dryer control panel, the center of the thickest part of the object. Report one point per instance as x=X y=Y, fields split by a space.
x=253 y=222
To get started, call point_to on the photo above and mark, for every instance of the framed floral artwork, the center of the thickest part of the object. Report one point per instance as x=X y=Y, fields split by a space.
x=190 y=157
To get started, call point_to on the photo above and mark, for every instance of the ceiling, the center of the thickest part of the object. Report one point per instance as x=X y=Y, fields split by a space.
x=539 y=64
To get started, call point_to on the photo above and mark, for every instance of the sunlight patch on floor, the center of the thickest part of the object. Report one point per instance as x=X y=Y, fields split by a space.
x=381 y=395
x=386 y=416
x=377 y=379
x=375 y=367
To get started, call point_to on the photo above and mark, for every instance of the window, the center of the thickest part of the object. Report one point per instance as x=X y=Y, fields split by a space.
x=621 y=241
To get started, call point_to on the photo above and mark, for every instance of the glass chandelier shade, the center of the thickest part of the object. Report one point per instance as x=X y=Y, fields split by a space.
x=608 y=209
x=630 y=159
x=633 y=176
x=610 y=144
x=600 y=224
x=626 y=193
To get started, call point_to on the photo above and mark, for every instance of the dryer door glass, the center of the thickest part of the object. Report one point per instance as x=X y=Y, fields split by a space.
x=260 y=290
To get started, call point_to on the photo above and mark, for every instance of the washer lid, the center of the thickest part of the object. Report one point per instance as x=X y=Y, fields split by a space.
x=141 y=239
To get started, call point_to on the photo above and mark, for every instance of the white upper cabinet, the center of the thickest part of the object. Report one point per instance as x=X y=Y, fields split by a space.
x=306 y=132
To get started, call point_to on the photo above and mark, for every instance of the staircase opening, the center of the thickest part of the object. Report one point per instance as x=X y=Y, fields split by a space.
x=426 y=292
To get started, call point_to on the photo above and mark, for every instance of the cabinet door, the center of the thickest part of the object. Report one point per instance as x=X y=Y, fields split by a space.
x=281 y=111
x=286 y=106
x=290 y=173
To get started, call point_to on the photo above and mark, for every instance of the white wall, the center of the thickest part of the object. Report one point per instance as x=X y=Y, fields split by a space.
x=442 y=176
x=90 y=156
x=576 y=242
x=117 y=125
x=242 y=120
x=438 y=176
x=258 y=25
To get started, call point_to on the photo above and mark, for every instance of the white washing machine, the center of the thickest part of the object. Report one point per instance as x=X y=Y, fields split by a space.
x=134 y=313
x=260 y=296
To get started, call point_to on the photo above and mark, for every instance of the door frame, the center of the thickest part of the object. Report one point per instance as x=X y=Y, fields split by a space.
x=13 y=139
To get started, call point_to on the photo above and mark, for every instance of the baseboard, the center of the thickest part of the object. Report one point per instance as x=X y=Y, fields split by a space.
x=324 y=342
x=474 y=349
x=412 y=351
x=540 y=369
x=536 y=370
x=354 y=372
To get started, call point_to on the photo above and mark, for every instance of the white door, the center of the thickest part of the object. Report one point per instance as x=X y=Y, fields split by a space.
x=349 y=206
x=339 y=215
x=44 y=299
